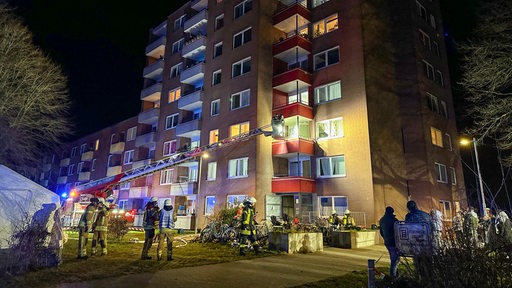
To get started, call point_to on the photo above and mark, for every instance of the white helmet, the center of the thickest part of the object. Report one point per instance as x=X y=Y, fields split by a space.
x=153 y=199
x=347 y=211
x=252 y=200
x=167 y=202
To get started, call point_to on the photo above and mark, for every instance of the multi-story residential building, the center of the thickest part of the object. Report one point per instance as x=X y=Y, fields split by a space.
x=363 y=87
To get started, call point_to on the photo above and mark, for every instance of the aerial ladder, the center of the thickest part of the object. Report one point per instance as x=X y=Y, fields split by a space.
x=104 y=187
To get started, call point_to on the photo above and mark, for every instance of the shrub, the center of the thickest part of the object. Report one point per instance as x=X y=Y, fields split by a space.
x=117 y=227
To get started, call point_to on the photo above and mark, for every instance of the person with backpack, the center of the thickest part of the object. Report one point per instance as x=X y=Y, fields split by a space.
x=165 y=227
x=150 y=222
x=85 y=227
x=387 y=231
x=248 y=227
x=100 y=227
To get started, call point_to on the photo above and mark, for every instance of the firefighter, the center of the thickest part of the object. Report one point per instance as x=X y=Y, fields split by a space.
x=150 y=222
x=348 y=221
x=99 y=228
x=334 y=220
x=166 y=224
x=85 y=226
x=248 y=227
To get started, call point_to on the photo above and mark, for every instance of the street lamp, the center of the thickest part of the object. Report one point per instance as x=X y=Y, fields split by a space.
x=465 y=142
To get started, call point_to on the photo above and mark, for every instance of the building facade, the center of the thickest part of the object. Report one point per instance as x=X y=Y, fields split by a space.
x=363 y=87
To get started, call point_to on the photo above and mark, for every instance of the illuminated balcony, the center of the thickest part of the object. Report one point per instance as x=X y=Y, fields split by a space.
x=156 y=49
x=292 y=48
x=149 y=116
x=145 y=140
x=193 y=75
x=154 y=70
x=195 y=49
x=117 y=148
x=297 y=145
x=294 y=109
x=191 y=101
x=189 y=129
x=292 y=80
x=293 y=185
x=194 y=23
x=64 y=162
x=184 y=188
x=114 y=170
x=151 y=93
x=291 y=14
x=87 y=156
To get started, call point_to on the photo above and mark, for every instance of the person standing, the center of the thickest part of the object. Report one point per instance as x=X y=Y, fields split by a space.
x=415 y=214
x=165 y=226
x=85 y=226
x=471 y=227
x=485 y=224
x=457 y=224
x=150 y=222
x=100 y=227
x=334 y=220
x=248 y=227
x=387 y=231
x=504 y=227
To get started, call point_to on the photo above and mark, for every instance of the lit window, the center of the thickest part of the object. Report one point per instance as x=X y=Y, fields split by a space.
x=326 y=25
x=169 y=148
x=331 y=91
x=243 y=8
x=331 y=166
x=215 y=107
x=171 y=121
x=237 y=168
x=241 y=67
x=240 y=99
x=329 y=203
x=237 y=129
x=214 y=136
x=209 y=205
x=329 y=129
x=166 y=176
x=326 y=58
x=441 y=173
x=437 y=137
x=174 y=95
x=128 y=157
x=242 y=37
x=212 y=171
x=303 y=97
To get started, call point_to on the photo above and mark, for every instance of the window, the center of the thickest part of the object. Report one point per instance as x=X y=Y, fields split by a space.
x=241 y=67
x=441 y=173
x=74 y=151
x=326 y=58
x=240 y=99
x=177 y=46
x=317 y=3
x=93 y=165
x=448 y=142
x=433 y=21
x=242 y=8
x=302 y=97
x=216 y=77
x=429 y=70
x=214 y=136
x=79 y=167
x=212 y=171
x=175 y=71
x=425 y=39
x=243 y=37
x=329 y=129
x=171 y=121
x=128 y=157
x=329 y=203
x=169 y=148
x=326 y=25
x=83 y=147
x=131 y=134
x=237 y=168
x=215 y=107
x=422 y=12
x=446 y=209
x=453 y=176
x=166 y=177
x=433 y=103
x=437 y=137
x=174 y=95
x=237 y=129
x=178 y=23
x=234 y=200
x=71 y=169
x=331 y=91
x=439 y=78
x=219 y=22
x=436 y=48
x=444 y=111
x=331 y=167
x=217 y=49
x=124 y=186
x=209 y=205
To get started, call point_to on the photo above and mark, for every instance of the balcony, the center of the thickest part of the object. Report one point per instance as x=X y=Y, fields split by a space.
x=293 y=184
x=151 y=93
x=291 y=14
x=84 y=176
x=289 y=49
x=294 y=109
x=149 y=116
x=145 y=140
x=114 y=170
x=195 y=49
x=184 y=188
x=191 y=101
x=87 y=156
x=193 y=75
x=156 y=49
x=189 y=129
x=62 y=179
x=154 y=70
x=292 y=80
x=141 y=163
x=64 y=162
x=199 y=5
x=196 y=21
x=161 y=29
x=297 y=145
x=117 y=148
x=139 y=192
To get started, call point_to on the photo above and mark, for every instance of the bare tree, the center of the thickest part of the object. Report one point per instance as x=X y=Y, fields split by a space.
x=34 y=100
x=487 y=74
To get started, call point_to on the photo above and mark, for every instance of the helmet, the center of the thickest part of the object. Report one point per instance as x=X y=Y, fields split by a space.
x=101 y=200
x=252 y=200
x=334 y=211
x=94 y=200
x=153 y=199
x=168 y=202
x=347 y=211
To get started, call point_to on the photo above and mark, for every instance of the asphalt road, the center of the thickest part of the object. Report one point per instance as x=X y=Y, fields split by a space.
x=275 y=271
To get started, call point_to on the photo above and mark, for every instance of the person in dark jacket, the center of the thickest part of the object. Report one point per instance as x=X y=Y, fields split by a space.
x=150 y=222
x=387 y=231
x=416 y=215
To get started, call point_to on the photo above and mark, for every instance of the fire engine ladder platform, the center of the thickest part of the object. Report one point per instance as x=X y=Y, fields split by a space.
x=98 y=187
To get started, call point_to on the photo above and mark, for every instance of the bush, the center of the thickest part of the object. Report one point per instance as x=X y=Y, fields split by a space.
x=227 y=216
x=117 y=227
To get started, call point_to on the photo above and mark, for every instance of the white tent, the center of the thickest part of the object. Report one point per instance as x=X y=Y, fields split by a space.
x=24 y=203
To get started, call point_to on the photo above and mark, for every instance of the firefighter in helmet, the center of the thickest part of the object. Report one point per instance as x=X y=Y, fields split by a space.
x=348 y=221
x=150 y=222
x=166 y=224
x=248 y=227
x=99 y=228
x=85 y=226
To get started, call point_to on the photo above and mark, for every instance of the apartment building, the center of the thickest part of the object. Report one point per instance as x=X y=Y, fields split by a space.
x=365 y=94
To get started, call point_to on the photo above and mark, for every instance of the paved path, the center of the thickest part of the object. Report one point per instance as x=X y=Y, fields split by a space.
x=275 y=271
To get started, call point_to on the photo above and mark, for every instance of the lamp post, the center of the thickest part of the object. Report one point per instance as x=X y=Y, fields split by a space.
x=481 y=196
